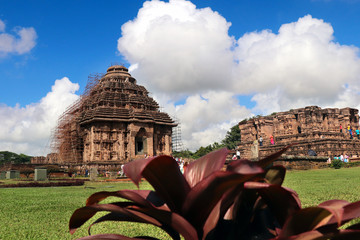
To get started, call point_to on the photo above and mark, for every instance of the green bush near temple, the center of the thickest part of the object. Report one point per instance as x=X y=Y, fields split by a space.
x=336 y=163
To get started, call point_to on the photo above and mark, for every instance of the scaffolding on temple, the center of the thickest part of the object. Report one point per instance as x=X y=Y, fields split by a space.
x=65 y=138
x=177 y=145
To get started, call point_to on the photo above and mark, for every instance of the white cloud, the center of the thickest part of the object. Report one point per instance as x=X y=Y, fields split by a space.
x=206 y=118
x=181 y=52
x=20 y=44
x=301 y=65
x=178 y=48
x=27 y=129
x=349 y=95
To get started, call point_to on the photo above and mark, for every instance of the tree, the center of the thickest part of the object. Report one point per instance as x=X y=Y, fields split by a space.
x=6 y=156
x=24 y=158
x=184 y=154
x=202 y=151
x=232 y=138
x=27 y=171
x=231 y=141
x=217 y=145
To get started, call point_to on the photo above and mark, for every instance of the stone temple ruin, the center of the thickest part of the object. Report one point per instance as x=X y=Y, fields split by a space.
x=313 y=128
x=114 y=121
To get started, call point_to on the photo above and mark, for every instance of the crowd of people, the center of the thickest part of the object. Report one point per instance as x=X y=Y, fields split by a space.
x=343 y=158
x=182 y=164
x=351 y=132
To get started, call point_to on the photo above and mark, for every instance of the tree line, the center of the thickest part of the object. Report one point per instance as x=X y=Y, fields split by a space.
x=6 y=156
x=231 y=141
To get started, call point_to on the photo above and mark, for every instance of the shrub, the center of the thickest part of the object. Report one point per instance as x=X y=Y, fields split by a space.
x=27 y=171
x=45 y=184
x=245 y=201
x=337 y=164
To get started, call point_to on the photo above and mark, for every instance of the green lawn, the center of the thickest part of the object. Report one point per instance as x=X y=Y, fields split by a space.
x=44 y=213
x=316 y=186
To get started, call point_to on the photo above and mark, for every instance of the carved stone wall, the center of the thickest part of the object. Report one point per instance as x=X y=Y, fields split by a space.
x=38 y=160
x=302 y=162
x=319 y=131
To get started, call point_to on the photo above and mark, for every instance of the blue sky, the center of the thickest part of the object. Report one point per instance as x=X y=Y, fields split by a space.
x=237 y=64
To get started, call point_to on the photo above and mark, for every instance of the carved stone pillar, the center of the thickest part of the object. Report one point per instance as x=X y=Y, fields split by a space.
x=167 y=144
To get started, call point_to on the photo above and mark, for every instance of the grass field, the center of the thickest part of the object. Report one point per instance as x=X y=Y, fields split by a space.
x=44 y=213
x=316 y=186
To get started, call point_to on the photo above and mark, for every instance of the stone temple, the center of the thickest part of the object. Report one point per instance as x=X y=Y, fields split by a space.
x=312 y=128
x=114 y=121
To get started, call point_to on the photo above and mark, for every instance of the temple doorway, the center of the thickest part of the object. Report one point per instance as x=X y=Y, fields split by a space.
x=141 y=142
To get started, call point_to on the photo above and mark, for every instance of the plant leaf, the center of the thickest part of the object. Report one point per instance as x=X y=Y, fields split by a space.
x=114 y=237
x=340 y=235
x=336 y=207
x=135 y=168
x=355 y=226
x=164 y=175
x=221 y=208
x=294 y=195
x=350 y=212
x=244 y=166
x=311 y=235
x=280 y=200
x=141 y=197
x=243 y=211
x=206 y=194
x=164 y=219
x=265 y=162
x=173 y=220
x=122 y=217
x=204 y=166
x=82 y=215
x=212 y=219
x=304 y=220
x=275 y=175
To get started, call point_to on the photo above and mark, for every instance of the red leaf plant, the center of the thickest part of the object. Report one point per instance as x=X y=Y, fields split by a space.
x=244 y=201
